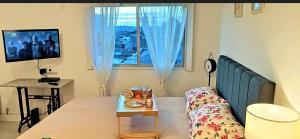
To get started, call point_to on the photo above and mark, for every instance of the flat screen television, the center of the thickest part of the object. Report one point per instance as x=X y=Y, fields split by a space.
x=21 y=45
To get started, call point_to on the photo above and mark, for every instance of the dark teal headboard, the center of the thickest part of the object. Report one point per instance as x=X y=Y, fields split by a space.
x=241 y=87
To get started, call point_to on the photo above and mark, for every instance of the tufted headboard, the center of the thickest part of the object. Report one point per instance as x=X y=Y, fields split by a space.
x=241 y=87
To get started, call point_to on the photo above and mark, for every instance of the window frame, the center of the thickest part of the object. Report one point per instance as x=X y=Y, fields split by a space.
x=138 y=28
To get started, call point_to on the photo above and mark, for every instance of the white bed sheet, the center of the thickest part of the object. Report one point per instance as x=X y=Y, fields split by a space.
x=95 y=118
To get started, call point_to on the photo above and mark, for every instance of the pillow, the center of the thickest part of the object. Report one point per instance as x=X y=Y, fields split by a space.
x=215 y=121
x=190 y=129
x=201 y=90
x=200 y=99
x=221 y=108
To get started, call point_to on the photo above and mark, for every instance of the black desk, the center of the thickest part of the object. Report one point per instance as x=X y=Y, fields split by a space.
x=24 y=84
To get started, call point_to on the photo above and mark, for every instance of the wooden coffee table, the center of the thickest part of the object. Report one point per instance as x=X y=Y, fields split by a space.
x=124 y=111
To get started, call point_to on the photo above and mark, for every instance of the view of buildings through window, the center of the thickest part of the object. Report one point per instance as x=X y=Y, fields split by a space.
x=126 y=46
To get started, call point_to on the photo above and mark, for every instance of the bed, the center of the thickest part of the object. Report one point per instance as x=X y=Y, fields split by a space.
x=95 y=118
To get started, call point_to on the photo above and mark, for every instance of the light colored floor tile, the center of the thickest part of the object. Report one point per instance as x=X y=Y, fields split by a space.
x=9 y=130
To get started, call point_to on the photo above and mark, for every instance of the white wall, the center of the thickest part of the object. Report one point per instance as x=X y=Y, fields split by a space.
x=72 y=21
x=5 y=93
x=269 y=44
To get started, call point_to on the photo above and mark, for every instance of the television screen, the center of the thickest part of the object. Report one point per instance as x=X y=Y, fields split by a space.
x=20 y=45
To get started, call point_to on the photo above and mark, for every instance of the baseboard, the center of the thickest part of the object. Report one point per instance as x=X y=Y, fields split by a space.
x=10 y=117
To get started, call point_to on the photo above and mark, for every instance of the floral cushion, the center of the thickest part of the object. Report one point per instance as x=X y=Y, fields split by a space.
x=221 y=108
x=190 y=128
x=214 y=121
x=199 y=96
x=201 y=90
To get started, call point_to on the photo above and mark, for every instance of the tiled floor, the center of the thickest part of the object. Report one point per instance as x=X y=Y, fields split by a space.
x=8 y=130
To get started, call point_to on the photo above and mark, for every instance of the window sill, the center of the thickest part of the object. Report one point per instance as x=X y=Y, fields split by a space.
x=132 y=68
x=140 y=68
x=143 y=68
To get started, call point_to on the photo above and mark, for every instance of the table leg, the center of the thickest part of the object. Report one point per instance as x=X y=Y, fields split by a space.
x=49 y=106
x=156 y=126
x=58 y=97
x=27 y=105
x=119 y=132
x=53 y=100
x=21 y=107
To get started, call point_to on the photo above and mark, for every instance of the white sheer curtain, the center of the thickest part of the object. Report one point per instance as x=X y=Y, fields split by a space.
x=163 y=27
x=103 y=21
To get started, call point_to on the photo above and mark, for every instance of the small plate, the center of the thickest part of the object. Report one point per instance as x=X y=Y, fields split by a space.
x=134 y=103
x=128 y=93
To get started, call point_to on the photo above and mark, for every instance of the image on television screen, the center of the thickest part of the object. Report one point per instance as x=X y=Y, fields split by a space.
x=22 y=45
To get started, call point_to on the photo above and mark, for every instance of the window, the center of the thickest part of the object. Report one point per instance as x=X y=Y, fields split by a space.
x=130 y=42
